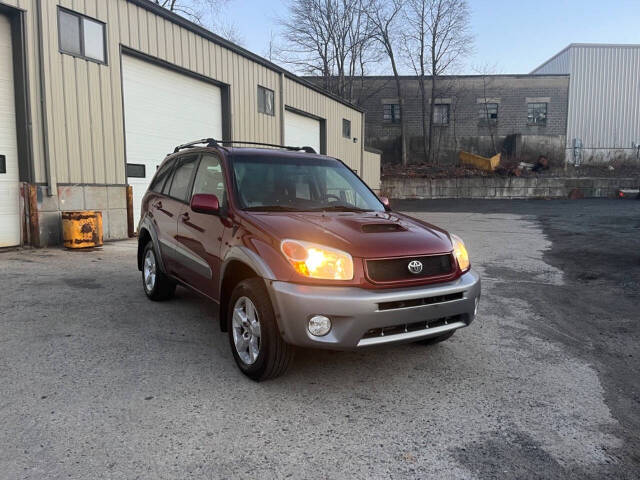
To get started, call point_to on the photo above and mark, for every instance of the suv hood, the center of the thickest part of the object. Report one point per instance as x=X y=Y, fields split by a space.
x=365 y=235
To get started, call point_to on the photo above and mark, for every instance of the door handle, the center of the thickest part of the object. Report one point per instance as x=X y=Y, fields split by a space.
x=158 y=205
x=185 y=217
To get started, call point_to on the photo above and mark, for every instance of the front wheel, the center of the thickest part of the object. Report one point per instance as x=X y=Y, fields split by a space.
x=258 y=349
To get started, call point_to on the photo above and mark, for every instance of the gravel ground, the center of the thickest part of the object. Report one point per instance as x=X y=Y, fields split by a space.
x=99 y=382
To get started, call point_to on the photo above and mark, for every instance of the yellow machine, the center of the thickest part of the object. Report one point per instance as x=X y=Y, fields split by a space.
x=478 y=161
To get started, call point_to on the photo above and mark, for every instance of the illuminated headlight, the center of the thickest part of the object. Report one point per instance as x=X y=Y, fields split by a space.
x=317 y=261
x=319 y=325
x=460 y=252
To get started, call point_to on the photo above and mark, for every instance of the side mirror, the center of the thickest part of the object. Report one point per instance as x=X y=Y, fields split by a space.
x=385 y=202
x=205 y=203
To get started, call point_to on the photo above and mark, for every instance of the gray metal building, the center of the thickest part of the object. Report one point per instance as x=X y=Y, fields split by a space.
x=603 y=121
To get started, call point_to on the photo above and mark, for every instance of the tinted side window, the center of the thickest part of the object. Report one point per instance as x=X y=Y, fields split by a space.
x=209 y=178
x=182 y=176
x=161 y=175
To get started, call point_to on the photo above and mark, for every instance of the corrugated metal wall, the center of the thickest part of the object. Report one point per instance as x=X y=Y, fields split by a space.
x=604 y=98
x=371 y=170
x=303 y=98
x=84 y=99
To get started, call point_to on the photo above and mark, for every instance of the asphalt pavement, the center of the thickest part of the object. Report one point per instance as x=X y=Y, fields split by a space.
x=96 y=381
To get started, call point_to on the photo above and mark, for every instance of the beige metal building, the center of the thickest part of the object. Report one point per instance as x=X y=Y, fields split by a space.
x=94 y=94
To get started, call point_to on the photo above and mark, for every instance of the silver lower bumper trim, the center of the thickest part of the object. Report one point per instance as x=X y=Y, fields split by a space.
x=415 y=335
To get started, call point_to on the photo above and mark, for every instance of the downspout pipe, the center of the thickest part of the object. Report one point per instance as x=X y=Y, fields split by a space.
x=51 y=180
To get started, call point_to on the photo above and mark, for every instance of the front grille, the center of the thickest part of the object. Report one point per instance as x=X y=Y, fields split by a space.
x=410 y=327
x=418 y=302
x=396 y=269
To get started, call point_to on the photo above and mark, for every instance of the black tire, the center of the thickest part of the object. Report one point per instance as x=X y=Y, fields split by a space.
x=438 y=339
x=274 y=354
x=162 y=288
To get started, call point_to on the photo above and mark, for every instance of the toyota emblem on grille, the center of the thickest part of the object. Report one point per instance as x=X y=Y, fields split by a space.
x=415 y=266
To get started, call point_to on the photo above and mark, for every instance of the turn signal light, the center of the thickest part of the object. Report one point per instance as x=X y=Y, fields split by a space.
x=460 y=252
x=317 y=261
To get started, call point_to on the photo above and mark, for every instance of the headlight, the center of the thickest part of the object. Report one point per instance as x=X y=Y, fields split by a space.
x=460 y=252
x=316 y=261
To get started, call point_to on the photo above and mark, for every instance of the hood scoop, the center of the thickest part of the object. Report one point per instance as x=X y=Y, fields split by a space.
x=382 y=228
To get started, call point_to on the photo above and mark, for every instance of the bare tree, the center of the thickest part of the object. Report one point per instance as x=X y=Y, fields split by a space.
x=206 y=13
x=330 y=38
x=449 y=40
x=485 y=72
x=387 y=29
x=436 y=38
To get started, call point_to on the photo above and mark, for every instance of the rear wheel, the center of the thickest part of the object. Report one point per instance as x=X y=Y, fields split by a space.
x=156 y=284
x=256 y=344
x=438 y=339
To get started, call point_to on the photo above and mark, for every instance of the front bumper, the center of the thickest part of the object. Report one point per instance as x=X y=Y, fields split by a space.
x=363 y=318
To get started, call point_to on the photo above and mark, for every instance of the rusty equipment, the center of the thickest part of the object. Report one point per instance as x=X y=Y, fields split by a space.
x=82 y=229
x=478 y=161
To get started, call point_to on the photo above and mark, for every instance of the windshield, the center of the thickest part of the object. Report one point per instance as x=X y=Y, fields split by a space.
x=299 y=184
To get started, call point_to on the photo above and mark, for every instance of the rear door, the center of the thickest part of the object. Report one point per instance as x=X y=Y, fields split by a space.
x=200 y=235
x=167 y=207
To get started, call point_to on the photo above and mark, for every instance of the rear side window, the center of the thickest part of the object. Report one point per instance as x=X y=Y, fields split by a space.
x=182 y=176
x=161 y=176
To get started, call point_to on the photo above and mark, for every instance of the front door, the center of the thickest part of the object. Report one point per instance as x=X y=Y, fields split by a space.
x=200 y=234
x=9 y=176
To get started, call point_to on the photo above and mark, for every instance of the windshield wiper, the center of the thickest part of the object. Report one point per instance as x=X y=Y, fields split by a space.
x=271 y=208
x=339 y=208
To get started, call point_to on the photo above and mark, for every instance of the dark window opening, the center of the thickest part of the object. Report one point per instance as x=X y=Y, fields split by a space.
x=266 y=101
x=391 y=112
x=3 y=164
x=441 y=114
x=346 y=128
x=136 y=170
x=488 y=112
x=82 y=36
x=537 y=113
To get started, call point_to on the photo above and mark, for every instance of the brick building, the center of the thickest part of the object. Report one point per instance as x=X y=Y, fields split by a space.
x=520 y=115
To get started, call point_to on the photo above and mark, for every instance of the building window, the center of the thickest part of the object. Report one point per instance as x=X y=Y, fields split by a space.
x=391 y=112
x=136 y=170
x=488 y=112
x=265 y=101
x=82 y=36
x=537 y=113
x=346 y=128
x=441 y=114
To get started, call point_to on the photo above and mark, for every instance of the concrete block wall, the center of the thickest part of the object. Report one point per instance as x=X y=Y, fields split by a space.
x=402 y=187
x=110 y=200
x=465 y=129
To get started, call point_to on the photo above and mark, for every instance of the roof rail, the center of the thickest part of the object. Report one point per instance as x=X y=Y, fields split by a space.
x=286 y=147
x=211 y=142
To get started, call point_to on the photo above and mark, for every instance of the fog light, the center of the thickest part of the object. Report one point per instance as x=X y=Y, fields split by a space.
x=319 y=325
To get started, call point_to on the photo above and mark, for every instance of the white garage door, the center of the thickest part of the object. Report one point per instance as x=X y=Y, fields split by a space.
x=162 y=109
x=301 y=131
x=9 y=177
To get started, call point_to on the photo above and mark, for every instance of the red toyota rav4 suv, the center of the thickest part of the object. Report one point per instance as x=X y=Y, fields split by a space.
x=298 y=251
